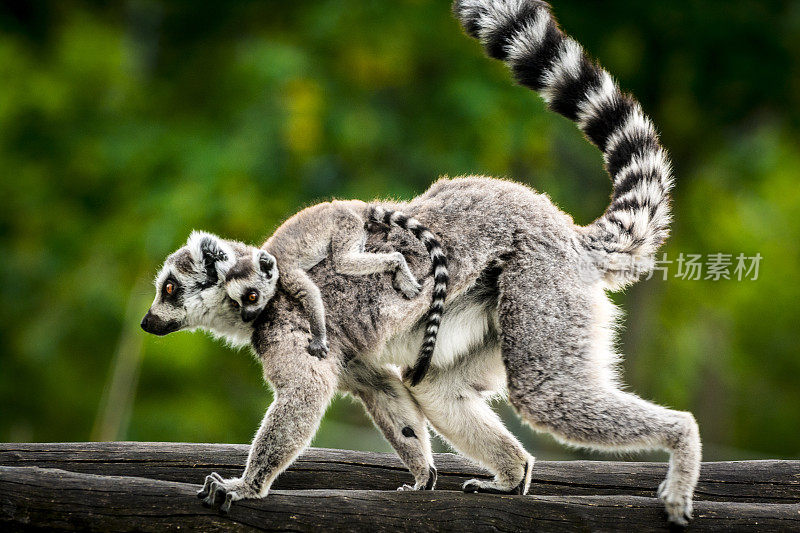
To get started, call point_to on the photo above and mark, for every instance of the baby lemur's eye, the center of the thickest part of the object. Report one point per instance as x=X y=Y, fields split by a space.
x=252 y=296
x=170 y=288
x=235 y=304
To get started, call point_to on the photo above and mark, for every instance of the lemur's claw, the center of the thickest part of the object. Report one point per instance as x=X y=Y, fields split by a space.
x=318 y=349
x=432 y=475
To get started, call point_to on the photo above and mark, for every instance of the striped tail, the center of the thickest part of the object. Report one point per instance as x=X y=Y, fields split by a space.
x=440 y=280
x=524 y=35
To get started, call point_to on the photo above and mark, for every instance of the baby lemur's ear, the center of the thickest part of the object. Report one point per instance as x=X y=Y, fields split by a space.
x=266 y=262
x=213 y=254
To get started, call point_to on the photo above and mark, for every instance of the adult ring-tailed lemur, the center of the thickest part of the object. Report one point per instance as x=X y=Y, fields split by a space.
x=526 y=310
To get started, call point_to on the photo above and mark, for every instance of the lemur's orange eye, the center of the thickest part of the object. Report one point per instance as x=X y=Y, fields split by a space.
x=169 y=288
x=252 y=296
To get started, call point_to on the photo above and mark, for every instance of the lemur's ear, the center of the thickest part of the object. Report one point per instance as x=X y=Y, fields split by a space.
x=266 y=262
x=213 y=254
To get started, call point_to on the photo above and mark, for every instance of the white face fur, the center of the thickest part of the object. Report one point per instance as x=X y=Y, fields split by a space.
x=251 y=283
x=190 y=290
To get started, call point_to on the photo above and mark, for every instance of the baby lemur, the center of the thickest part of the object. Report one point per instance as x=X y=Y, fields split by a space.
x=335 y=229
x=526 y=313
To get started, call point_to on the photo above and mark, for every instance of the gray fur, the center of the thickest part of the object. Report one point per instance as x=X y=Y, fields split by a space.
x=526 y=315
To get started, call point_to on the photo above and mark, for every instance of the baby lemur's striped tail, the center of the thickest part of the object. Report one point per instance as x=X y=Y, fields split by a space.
x=440 y=279
x=524 y=35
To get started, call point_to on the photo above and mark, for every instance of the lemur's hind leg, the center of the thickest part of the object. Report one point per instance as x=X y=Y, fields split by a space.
x=300 y=286
x=558 y=358
x=349 y=257
x=397 y=415
x=458 y=411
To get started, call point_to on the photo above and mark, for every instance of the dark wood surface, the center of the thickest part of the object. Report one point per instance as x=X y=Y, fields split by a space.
x=152 y=486
x=319 y=468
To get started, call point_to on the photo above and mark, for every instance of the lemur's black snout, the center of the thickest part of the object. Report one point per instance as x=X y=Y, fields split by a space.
x=146 y=322
x=157 y=326
x=249 y=314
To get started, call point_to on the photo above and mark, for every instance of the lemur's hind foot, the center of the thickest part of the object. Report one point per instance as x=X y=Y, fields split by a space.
x=496 y=487
x=489 y=487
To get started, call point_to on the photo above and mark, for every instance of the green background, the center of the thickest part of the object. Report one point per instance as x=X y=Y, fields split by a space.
x=126 y=124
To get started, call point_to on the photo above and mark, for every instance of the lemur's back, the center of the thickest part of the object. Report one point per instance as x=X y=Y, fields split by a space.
x=480 y=221
x=304 y=239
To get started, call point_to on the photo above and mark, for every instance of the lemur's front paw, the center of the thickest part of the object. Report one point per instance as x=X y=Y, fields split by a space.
x=318 y=348
x=406 y=284
x=429 y=483
x=678 y=506
x=219 y=493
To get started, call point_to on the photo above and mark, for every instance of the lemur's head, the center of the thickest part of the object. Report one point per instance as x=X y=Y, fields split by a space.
x=251 y=283
x=190 y=291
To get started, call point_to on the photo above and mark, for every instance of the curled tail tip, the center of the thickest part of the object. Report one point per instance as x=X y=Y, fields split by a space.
x=525 y=35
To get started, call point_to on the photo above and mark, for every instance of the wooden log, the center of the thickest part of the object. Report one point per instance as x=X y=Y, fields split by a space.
x=36 y=498
x=733 y=481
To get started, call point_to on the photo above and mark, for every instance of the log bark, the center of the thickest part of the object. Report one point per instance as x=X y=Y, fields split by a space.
x=770 y=481
x=37 y=498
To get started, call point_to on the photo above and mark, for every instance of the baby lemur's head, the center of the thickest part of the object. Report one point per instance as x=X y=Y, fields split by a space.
x=250 y=283
x=191 y=289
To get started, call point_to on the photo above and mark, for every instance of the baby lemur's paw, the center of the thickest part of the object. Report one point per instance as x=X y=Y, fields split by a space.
x=406 y=283
x=678 y=506
x=318 y=348
x=219 y=494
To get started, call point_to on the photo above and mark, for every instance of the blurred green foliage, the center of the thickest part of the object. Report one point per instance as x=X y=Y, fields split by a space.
x=125 y=124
